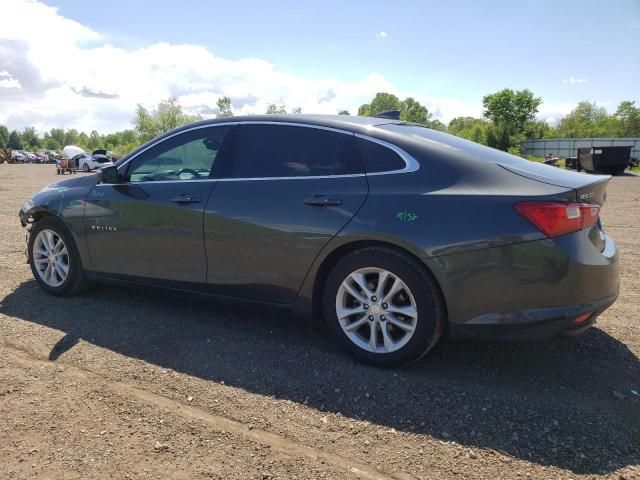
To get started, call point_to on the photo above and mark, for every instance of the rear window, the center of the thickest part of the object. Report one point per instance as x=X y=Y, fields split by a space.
x=378 y=158
x=267 y=151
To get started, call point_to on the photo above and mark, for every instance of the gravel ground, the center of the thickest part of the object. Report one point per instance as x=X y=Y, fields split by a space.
x=122 y=383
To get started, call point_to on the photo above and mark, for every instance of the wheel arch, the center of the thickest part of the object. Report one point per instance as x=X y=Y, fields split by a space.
x=330 y=260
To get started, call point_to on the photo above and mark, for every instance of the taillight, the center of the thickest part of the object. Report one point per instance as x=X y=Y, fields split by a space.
x=557 y=218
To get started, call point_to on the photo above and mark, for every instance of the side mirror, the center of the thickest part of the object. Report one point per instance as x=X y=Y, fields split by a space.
x=108 y=175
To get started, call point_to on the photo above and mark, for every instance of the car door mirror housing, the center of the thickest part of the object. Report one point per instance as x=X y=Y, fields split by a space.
x=108 y=174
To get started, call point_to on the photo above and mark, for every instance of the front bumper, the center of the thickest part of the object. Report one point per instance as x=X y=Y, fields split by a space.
x=531 y=290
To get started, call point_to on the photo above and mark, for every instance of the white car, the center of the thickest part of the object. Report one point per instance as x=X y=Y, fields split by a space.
x=86 y=162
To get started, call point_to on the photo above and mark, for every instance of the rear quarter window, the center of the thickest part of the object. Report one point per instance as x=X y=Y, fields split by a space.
x=378 y=158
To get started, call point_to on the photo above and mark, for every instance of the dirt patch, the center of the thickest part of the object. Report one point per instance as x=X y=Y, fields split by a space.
x=129 y=383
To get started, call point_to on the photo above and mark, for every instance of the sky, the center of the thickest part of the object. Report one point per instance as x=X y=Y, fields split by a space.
x=86 y=65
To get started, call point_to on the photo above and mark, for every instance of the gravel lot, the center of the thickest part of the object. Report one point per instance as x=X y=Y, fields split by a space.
x=120 y=383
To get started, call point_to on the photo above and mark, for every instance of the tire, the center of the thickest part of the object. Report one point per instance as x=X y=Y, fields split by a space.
x=423 y=326
x=74 y=281
x=85 y=167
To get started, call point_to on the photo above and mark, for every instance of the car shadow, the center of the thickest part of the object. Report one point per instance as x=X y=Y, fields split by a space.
x=550 y=402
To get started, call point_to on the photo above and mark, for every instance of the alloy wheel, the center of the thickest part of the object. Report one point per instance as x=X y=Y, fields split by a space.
x=376 y=310
x=51 y=258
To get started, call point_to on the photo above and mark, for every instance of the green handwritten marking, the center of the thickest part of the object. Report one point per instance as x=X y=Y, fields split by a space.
x=97 y=194
x=404 y=216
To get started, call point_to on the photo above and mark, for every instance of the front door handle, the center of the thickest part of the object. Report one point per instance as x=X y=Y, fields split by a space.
x=186 y=198
x=322 y=201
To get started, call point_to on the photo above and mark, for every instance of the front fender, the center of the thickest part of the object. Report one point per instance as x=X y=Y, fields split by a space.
x=49 y=203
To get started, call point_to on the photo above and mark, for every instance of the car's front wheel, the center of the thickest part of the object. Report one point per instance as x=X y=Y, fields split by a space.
x=383 y=307
x=54 y=259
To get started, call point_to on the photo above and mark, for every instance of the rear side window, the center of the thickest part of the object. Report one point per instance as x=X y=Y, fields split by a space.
x=267 y=151
x=378 y=158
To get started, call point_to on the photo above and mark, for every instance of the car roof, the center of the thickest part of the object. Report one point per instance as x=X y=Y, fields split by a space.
x=345 y=122
x=356 y=124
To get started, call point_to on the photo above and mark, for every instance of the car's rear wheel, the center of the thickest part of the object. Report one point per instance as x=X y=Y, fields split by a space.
x=85 y=167
x=54 y=258
x=383 y=306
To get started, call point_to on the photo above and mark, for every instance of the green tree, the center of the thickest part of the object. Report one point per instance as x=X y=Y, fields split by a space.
x=14 y=142
x=83 y=140
x=166 y=116
x=412 y=111
x=344 y=112
x=537 y=129
x=272 y=109
x=297 y=110
x=57 y=135
x=95 y=141
x=30 y=139
x=474 y=129
x=224 y=104
x=4 y=136
x=510 y=111
x=48 y=142
x=364 y=110
x=588 y=120
x=70 y=137
x=382 y=102
x=628 y=116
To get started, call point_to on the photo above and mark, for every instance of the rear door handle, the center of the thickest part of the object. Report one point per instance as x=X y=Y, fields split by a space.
x=322 y=201
x=186 y=198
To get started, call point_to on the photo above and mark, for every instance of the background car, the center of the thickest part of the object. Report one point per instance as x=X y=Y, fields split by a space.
x=86 y=162
x=18 y=156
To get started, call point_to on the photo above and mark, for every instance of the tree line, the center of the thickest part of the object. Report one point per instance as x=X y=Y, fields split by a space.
x=509 y=118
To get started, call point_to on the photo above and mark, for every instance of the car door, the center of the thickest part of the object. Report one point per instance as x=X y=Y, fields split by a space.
x=284 y=192
x=150 y=224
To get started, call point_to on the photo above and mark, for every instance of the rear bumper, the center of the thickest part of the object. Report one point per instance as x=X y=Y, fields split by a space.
x=531 y=290
x=536 y=324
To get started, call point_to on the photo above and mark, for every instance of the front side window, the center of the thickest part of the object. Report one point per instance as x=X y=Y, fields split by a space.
x=268 y=151
x=187 y=156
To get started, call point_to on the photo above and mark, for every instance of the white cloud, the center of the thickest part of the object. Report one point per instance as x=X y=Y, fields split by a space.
x=573 y=80
x=553 y=112
x=9 y=83
x=60 y=73
x=381 y=35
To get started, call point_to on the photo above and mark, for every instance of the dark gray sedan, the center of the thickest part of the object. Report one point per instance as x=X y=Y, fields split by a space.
x=392 y=233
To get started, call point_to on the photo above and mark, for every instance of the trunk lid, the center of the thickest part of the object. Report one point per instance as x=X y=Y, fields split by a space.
x=588 y=188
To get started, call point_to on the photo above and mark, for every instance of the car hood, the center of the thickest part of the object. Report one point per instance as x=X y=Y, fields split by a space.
x=87 y=181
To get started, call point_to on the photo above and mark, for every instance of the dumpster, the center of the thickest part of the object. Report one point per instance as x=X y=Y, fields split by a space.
x=612 y=160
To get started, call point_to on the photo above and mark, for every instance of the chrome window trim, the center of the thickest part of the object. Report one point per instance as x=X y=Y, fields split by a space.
x=411 y=164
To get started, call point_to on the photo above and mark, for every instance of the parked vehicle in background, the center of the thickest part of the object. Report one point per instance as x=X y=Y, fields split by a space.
x=391 y=232
x=86 y=162
x=551 y=159
x=18 y=156
x=41 y=157
x=71 y=151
